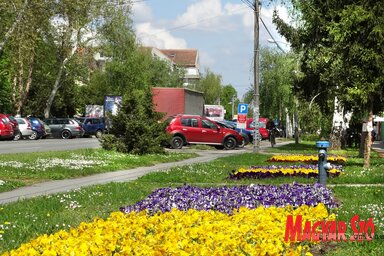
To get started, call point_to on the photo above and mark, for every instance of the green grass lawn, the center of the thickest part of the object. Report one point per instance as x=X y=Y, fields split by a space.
x=17 y=170
x=25 y=220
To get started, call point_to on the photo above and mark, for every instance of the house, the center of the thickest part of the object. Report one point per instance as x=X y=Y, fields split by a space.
x=188 y=59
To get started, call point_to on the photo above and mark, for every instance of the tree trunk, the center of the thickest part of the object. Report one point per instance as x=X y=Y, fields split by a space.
x=24 y=89
x=57 y=84
x=335 y=139
x=368 y=139
x=14 y=25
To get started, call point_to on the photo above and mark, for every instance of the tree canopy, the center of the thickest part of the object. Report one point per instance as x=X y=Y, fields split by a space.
x=341 y=43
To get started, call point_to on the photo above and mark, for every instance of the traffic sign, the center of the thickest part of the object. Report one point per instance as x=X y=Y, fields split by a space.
x=242 y=108
x=241 y=121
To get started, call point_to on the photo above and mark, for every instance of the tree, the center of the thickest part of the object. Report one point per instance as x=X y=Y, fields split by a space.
x=75 y=24
x=19 y=15
x=129 y=72
x=228 y=98
x=136 y=128
x=210 y=85
x=22 y=38
x=342 y=50
x=277 y=76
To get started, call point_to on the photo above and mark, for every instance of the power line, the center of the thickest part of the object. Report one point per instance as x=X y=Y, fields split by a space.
x=266 y=28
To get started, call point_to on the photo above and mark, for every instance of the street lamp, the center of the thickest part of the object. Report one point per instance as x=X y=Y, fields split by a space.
x=233 y=105
x=273 y=41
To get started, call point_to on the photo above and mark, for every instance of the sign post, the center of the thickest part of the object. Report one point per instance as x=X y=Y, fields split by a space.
x=242 y=111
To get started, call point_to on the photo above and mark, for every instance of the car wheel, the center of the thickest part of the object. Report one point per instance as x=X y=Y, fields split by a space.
x=230 y=143
x=17 y=136
x=33 y=136
x=245 y=140
x=99 y=133
x=177 y=142
x=66 y=134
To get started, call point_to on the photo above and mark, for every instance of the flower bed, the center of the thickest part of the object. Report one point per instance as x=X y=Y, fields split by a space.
x=247 y=232
x=244 y=220
x=227 y=199
x=271 y=171
x=306 y=158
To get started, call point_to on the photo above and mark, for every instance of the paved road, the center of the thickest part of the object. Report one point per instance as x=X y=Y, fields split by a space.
x=26 y=146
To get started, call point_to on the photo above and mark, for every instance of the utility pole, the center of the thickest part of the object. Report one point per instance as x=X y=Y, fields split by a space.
x=256 y=100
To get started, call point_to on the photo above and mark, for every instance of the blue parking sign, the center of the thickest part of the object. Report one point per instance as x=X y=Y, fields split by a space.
x=242 y=108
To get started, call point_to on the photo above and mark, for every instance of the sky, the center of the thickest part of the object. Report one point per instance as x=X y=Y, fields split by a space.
x=221 y=31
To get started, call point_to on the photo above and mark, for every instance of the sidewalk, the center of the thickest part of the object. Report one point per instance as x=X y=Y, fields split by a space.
x=378 y=146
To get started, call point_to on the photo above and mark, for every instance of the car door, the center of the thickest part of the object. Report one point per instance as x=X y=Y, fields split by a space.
x=56 y=127
x=190 y=128
x=88 y=126
x=210 y=132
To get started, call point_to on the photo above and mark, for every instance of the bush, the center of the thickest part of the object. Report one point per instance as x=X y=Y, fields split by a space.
x=137 y=129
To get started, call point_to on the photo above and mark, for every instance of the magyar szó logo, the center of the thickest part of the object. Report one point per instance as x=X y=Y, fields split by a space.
x=329 y=230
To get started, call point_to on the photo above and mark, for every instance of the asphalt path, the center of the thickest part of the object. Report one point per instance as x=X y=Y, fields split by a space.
x=28 y=146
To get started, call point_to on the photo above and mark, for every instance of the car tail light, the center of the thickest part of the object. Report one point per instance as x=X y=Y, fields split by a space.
x=28 y=125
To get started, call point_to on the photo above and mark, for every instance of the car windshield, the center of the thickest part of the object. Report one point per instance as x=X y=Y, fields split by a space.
x=20 y=121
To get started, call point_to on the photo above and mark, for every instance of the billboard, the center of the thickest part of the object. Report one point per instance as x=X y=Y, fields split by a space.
x=214 y=112
x=94 y=111
x=112 y=104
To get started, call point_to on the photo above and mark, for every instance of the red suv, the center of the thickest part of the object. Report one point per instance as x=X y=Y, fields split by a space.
x=193 y=129
x=6 y=128
x=262 y=127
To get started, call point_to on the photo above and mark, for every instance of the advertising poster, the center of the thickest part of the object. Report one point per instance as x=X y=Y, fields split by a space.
x=94 y=111
x=214 y=112
x=112 y=104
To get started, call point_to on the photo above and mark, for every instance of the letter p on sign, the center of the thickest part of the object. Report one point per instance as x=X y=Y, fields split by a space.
x=242 y=108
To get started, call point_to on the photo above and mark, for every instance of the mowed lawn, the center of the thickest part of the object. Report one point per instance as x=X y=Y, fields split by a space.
x=25 y=220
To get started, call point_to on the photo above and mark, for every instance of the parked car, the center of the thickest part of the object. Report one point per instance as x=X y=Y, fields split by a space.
x=92 y=125
x=65 y=128
x=38 y=128
x=194 y=129
x=15 y=126
x=25 y=128
x=250 y=126
x=232 y=126
x=6 y=128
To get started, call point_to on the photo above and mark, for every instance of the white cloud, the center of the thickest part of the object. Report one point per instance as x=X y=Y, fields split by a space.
x=159 y=38
x=241 y=10
x=203 y=14
x=210 y=15
x=142 y=12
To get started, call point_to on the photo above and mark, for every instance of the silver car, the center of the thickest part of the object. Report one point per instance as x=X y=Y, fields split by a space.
x=25 y=128
x=65 y=128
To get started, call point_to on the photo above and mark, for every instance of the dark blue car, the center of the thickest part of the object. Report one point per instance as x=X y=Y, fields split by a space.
x=92 y=125
x=239 y=130
x=39 y=129
x=242 y=132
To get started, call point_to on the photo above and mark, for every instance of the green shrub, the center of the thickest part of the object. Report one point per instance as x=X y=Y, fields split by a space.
x=137 y=129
